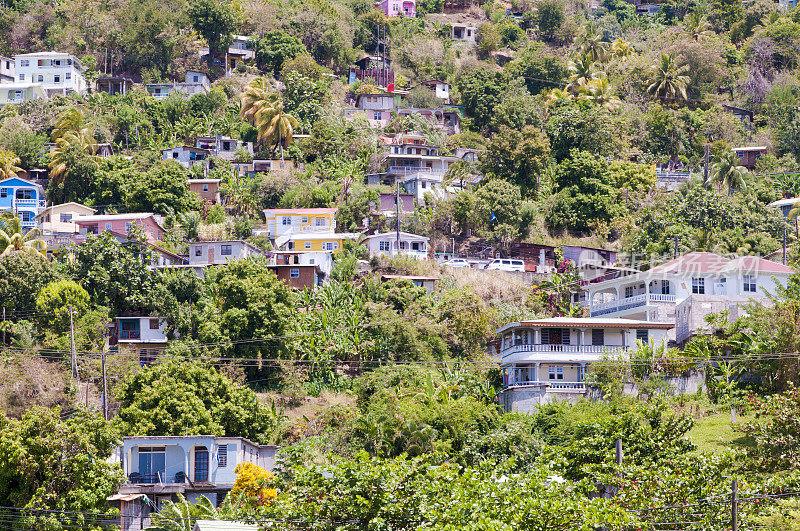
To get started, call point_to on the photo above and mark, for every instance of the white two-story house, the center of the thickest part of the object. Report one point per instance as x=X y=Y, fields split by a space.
x=546 y=359
x=158 y=468
x=58 y=73
x=684 y=290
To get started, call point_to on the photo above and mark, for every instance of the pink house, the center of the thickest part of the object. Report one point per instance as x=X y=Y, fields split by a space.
x=398 y=8
x=119 y=223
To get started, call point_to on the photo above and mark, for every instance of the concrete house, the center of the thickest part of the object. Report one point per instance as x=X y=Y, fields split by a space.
x=440 y=89
x=19 y=92
x=156 y=469
x=420 y=281
x=223 y=146
x=397 y=8
x=221 y=252
x=24 y=198
x=194 y=83
x=187 y=156
x=378 y=108
x=241 y=51
x=299 y=276
x=140 y=336
x=385 y=244
x=114 y=85
x=446 y=120
x=749 y=156
x=387 y=204
x=58 y=73
x=314 y=241
x=58 y=220
x=282 y=221
x=120 y=224
x=207 y=189
x=463 y=32
x=684 y=290
x=546 y=359
x=786 y=205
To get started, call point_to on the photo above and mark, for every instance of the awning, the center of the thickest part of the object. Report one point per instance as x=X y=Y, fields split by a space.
x=124 y=497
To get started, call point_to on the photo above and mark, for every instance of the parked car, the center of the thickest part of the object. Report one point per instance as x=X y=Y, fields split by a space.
x=504 y=264
x=457 y=262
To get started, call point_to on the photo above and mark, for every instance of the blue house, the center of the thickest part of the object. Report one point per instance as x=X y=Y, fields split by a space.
x=25 y=198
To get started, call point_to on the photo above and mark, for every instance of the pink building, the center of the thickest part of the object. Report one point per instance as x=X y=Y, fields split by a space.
x=398 y=8
x=119 y=223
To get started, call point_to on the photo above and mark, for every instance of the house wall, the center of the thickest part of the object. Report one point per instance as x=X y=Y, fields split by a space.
x=51 y=221
x=211 y=194
x=299 y=222
x=185 y=157
x=6 y=70
x=21 y=93
x=307 y=275
x=376 y=103
x=211 y=252
x=26 y=209
x=148 y=226
x=373 y=244
x=301 y=244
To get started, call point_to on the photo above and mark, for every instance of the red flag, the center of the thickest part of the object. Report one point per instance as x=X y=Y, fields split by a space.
x=390 y=88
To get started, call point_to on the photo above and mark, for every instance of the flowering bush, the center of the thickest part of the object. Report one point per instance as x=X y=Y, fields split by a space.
x=253 y=482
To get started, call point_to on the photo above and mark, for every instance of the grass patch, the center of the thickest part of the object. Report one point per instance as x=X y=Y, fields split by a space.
x=714 y=433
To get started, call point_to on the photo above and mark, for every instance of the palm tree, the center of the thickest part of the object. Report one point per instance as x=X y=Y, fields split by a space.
x=593 y=44
x=556 y=96
x=697 y=26
x=8 y=164
x=72 y=121
x=182 y=515
x=62 y=155
x=256 y=95
x=622 y=49
x=583 y=70
x=600 y=92
x=727 y=171
x=264 y=109
x=12 y=240
x=190 y=223
x=668 y=81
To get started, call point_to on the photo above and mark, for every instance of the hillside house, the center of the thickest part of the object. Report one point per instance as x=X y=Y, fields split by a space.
x=321 y=259
x=749 y=156
x=372 y=69
x=58 y=73
x=397 y=8
x=786 y=205
x=114 y=85
x=378 y=108
x=299 y=276
x=744 y=115
x=194 y=83
x=386 y=244
x=6 y=70
x=58 y=220
x=221 y=252
x=157 y=469
x=187 y=156
x=207 y=189
x=446 y=120
x=240 y=52
x=420 y=281
x=463 y=32
x=20 y=92
x=120 y=224
x=223 y=146
x=141 y=336
x=24 y=198
x=439 y=88
x=282 y=221
x=546 y=360
x=387 y=204
x=313 y=241
x=696 y=283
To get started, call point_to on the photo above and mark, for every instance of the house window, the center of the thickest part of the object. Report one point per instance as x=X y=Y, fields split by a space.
x=22 y=77
x=294 y=273
x=287 y=220
x=201 y=464
x=628 y=292
x=198 y=251
x=3 y=192
x=740 y=154
x=304 y=219
x=40 y=78
x=24 y=62
x=376 y=115
x=205 y=188
x=26 y=216
x=152 y=463
x=128 y=226
x=556 y=373
x=698 y=285
x=226 y=146
x=308 y=245
x=598 y=338
x=153 y=324
x=68 y=75
x=320 y=222
x=642 y=334
x=749 y=283
x=555 y=336
x=91 y=229
x=196 y=78
x=226 y=249
x=174 y=154
x=24 y=194
x=383 y=245
x=108 y=226
x=56 y=79
x=65 y=218
x=222 y=455
x=665 y=287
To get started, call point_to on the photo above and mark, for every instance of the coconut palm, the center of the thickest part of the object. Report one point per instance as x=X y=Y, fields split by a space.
x=697 y=26
x=727 y=172
x=668 y=81
x=275 y=126
x=8 y=164
x=601 y=93
x=593 y=44
x=182 y=515
x=72 y=121
x=13 y=240
x=582 y=71
x=256 y=95
x=556 y=96
x=63 y=154
x=622 y=49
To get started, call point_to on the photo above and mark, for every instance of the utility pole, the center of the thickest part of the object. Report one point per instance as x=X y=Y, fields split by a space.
x=675 y=252
x=734 y=506
x=705 y=171
x=784 y=246
x=397 y=215
x=105 y=388
x=618 y=447
x=73 y=361
x=4 y=326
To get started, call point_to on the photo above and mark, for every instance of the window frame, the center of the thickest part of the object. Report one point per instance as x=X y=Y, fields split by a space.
x=226 y=249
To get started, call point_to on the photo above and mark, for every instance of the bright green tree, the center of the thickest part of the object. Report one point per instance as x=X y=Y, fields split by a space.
x=55 y=301
x=215 y=21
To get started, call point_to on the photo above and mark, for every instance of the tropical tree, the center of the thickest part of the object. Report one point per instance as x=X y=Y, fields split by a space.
x=582 y=71
x=593 y=45
x=8 y=164
x=13 y=240
x=265 y=111
x=668 y=81
x=556 y=96
x=727 y=172
x=697 y=26
x=601 y=93
x=182 y=515
x=622 y=49
x=69 y=142
x=72 y=121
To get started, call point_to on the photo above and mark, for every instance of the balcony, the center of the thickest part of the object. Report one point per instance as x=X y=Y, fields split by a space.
x=30 y=203
x=315 y=228
x=588 y=349
x=403 y=170
x=130 y=334
x=551 y=384
x=155 y=477
x=643 y=299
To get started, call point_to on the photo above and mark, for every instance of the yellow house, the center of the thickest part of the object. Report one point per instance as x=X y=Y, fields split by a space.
x=21 y=92
x=57 y=219
x=284 y=221
x=315 y=241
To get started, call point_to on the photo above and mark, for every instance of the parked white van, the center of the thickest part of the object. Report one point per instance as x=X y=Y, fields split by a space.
x=504 y=264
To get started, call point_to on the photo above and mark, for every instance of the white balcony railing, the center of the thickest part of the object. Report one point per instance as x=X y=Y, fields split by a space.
x=28 y=203
x=408 y=169
x=550 y=384
x=583 y=349
x=627 y=303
